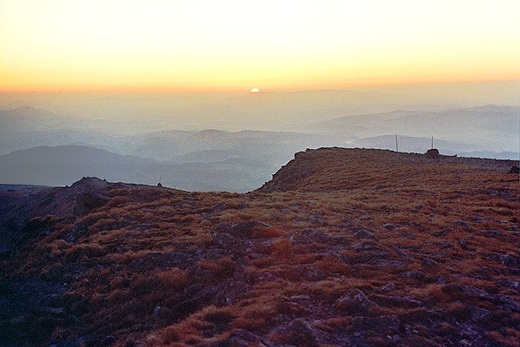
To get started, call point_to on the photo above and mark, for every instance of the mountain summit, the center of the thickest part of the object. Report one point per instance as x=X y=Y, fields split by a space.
x=333 y=169
x=342 y=248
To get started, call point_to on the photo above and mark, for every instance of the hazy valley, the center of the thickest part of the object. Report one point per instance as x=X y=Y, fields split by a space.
x=235 y=142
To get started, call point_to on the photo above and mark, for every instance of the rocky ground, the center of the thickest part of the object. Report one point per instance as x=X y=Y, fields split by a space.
x=344 y=247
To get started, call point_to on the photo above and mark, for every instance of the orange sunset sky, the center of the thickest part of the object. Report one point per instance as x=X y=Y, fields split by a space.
x=155 y=45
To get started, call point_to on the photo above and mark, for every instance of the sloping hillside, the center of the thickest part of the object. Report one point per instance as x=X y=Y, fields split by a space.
x=341 y=248
x=331 y=169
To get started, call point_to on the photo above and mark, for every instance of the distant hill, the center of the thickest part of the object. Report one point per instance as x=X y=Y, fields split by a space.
x=485 y=127
x=63 y=165
x=25 y=127
x=487 y=114
x=271 y=147
x=29 y=118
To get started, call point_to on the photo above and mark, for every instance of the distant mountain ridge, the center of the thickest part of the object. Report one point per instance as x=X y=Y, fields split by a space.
x=488 y=128
x=28 y=117
x=235 y=160
x=69 y=154
x=61 y=165
x=64 y=165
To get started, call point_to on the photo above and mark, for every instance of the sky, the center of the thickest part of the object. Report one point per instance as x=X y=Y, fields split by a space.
x=207 y=45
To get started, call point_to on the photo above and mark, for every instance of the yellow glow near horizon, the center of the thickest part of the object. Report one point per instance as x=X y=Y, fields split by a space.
x=235 y=44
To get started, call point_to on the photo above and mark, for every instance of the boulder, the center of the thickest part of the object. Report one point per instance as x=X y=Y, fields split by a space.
x=299 y=332
x=355 y=302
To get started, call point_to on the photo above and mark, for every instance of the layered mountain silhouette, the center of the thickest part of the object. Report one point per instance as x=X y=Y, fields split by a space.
x=63 y=165
x=229 y=160
x=460 y=130
x=28 y=117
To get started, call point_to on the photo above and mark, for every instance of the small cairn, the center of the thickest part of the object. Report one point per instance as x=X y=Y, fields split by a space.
x=433 y=154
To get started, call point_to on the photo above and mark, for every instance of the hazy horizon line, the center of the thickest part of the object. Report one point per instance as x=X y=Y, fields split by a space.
x=219 y=90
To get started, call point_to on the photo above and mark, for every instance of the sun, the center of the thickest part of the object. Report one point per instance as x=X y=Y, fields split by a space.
x=255 y=91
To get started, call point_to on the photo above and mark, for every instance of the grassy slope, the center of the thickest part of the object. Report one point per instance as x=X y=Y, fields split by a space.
x=349 y=247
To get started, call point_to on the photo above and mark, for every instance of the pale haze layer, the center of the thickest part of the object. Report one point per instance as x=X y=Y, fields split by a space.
x=179 y=46
x=217 y=95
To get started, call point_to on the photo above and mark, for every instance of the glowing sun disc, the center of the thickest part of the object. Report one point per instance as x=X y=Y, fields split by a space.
x=255 y=90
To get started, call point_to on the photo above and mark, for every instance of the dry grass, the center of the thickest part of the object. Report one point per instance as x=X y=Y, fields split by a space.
x=163 y=267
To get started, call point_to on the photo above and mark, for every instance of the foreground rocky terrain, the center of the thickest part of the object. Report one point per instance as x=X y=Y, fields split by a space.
x=343 y=247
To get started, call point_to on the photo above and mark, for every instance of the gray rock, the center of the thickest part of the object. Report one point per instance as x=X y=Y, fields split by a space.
x=309 y=236
x=366 y=246
x=389 y=226
x=462 y=224
x=301 y=333
x=355 y=302
x=315 y=220
x=509 y=284
x=508 y=260
x=293 y=308
x=428 y=262
x=397 y=301
x=390 y=287
x=298 y=332
x=364 y=234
